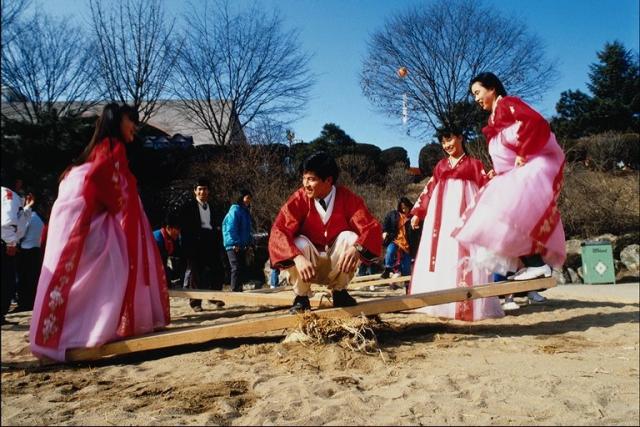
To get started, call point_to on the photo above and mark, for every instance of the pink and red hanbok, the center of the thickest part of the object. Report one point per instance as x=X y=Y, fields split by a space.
x=102 y=277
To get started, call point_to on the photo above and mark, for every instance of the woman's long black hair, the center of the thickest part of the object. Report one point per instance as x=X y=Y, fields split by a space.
x=107 y=126
x=489 y=81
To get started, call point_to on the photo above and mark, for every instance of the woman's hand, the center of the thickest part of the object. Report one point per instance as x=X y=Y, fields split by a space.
x=491 y=174
x=415 y=222
x=520 y=161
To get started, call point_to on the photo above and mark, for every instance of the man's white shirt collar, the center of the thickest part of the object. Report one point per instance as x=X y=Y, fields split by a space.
x=329 y=200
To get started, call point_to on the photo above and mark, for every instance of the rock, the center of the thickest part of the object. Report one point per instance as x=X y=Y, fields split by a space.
x=574 y=260
x=573 y=246
x=630 y=257
x=560 y=276
x=573 y=276
x=624 y=241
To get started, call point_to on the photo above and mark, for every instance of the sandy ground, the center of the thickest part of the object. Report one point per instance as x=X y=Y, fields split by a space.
x=571 y=361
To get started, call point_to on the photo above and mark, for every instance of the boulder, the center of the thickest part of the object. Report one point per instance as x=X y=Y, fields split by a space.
x=573 y=276
x=561 y=276
x=630 y=257
x=624 y=241
x=574 y=260
x=573 y=246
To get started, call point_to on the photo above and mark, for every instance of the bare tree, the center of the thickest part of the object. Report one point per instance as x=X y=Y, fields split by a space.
x=136 y=49
x=443 y=46
x=12 y=11
x=239 y=68
x=49 y=70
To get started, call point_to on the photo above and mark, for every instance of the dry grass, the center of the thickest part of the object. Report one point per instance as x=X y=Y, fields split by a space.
x=357 y=334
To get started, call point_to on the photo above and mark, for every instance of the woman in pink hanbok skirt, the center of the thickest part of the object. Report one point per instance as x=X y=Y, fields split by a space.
x=441 y=262
x=515 y=219
x=102 y=278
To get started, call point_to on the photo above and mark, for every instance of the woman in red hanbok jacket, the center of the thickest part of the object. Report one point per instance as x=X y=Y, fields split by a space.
x=322 y=233
x=441 y=262
x=516 y=218
x=102 y=277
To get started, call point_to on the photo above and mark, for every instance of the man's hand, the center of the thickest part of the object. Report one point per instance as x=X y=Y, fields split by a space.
x=11 y=250
x=415 y=222
x=305 y=268
x=29 y=201
x=348 y=260
x=520 y=161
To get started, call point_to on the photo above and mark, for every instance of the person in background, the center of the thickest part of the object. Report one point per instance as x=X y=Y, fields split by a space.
x=396 y=229
x=29 y=260
x=14 y=221
x=201 y=243
x=168 y=240
x=237 y=239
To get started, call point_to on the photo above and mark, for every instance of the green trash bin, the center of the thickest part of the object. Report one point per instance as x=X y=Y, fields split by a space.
x=597 y=262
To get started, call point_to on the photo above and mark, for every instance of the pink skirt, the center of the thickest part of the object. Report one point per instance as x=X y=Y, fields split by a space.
x=450 y=258
x=511 y=217
x=96 y=295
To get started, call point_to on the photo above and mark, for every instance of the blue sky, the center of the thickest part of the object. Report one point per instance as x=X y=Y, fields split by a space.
x=336 y=33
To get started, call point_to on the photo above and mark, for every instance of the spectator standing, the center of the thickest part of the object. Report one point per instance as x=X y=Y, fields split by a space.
x=237 y=239
x=396 y=232
x=200 y=227
x=29 y=258
x=13 y=228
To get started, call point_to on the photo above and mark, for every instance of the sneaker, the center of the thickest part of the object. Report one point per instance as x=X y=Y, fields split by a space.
x=197 y=308
x=300 y=304
x=535 y=298
x=396 y=275
x=529 y=273
x=342 y=299
x=386 y=273
x=216 y=302
x=509 y=304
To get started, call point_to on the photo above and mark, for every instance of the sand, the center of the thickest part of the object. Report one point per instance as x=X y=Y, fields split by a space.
x=571 y=361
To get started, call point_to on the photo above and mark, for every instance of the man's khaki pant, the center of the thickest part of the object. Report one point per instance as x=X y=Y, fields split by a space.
x=325 y=263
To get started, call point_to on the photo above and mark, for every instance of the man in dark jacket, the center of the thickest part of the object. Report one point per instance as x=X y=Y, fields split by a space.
x=202 y=244
x=399 y=238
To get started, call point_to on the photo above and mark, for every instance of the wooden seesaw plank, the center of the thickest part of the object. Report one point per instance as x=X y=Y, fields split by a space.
x=245 y=298
x=363 y=284
x=202 y=334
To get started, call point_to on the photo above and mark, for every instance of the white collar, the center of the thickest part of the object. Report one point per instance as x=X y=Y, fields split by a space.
x=455 y=162
x=329 y=199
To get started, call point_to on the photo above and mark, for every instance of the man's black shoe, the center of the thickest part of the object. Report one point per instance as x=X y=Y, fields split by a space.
x=300 y=304
x=343 y=299
x=386 y=273
x=216 y=302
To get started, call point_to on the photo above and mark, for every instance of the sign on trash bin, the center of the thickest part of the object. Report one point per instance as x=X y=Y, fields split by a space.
x=597 y=262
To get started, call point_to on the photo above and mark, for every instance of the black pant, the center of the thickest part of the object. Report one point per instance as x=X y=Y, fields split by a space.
x=238 y=267
x=8 y=284
x=29 y=263
x=204 y=264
